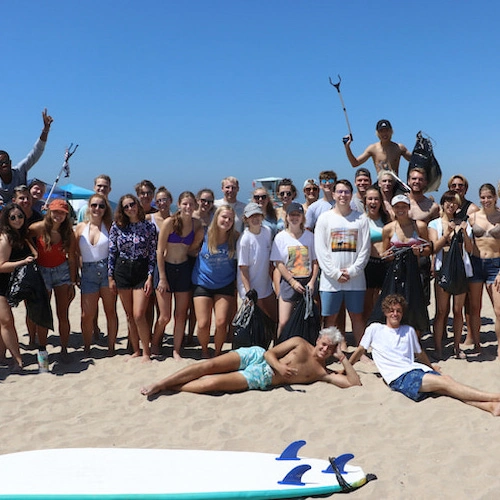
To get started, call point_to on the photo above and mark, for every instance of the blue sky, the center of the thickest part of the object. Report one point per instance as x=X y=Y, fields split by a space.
x=187 y=92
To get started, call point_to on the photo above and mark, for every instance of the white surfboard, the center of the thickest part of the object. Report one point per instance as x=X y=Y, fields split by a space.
x=104 y=473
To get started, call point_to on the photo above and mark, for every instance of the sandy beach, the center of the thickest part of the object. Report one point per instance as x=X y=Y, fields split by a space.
x=438 y=448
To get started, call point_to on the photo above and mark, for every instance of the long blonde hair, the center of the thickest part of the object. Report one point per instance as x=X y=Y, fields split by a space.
x=213 y=230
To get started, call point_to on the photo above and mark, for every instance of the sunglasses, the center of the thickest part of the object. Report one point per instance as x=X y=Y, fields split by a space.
x=102 y=206
x=328 y=181
x=132 y=204
x=260 y=196
x=18 y=216
x=285 y=193
x=204 y=200
x=457 y=185
x=313 y=189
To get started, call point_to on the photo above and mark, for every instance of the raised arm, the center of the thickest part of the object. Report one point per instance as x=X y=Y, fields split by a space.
x=356 y=162
x=47 y=122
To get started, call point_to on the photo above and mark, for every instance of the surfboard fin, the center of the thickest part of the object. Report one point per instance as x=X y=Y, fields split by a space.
x=294 y=477
x=290 y=452
x=340 y=462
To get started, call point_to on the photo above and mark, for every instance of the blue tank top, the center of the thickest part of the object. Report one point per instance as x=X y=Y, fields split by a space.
x=215 y=270
x=376 y=227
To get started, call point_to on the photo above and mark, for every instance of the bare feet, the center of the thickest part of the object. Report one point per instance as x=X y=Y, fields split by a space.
x=149 y=390
x=176 y=355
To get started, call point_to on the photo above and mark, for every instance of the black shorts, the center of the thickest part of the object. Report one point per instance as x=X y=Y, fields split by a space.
x=178 y=277
x=288 y=294
x=130 y=273
x=375 y=272
x=201 y=291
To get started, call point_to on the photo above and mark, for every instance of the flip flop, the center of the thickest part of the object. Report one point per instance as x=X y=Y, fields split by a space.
x=459 y=354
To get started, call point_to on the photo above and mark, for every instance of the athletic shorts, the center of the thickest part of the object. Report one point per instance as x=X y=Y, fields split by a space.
x=56 y=276
x=484 y=270
x=201 y=291
x=331 y=301
x=94 y=276
x=254 y=367
x=130 y=273
x=178 y=277
x=410 y=383
x=375 y=272
x=287 y=293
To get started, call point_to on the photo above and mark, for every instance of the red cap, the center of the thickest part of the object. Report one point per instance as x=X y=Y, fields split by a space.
x=59 y=205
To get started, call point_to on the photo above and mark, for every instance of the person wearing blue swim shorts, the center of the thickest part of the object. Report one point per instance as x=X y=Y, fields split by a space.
x=395 y=348
x=294 y=361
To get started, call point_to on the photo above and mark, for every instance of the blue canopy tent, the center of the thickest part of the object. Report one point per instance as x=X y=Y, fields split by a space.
x=74 y=192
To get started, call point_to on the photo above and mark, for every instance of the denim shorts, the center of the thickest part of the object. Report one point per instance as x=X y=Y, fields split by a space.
x=94 y=276
x=410 y=383
x=56 y=276
x=484 y=270
x=331 y=301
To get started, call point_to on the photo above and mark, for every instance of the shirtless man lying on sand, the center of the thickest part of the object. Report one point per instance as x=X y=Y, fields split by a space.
x=395 y=348
x=294 y=361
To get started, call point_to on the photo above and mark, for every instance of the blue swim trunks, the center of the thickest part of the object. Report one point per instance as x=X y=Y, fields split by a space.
x=254 y=367
x=410 y=382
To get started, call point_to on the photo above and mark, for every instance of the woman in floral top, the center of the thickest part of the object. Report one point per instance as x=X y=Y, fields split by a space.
x=131 y=263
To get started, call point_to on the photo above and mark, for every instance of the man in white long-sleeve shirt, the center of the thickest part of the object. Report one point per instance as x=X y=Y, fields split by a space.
x=342 y=244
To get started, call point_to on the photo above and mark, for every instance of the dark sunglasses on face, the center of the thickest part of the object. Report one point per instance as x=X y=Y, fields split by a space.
x=285 y=193
x=102 y=206
x=204 y=200
x=260 y=196
x=14 y=217
x=132 y=204
x=313 y=189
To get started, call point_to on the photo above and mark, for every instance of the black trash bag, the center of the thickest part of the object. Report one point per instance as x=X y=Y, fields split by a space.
x=304 y=321
x=26 y=283
x=252 y=326
x=452 y=277
x=403 y=278
x=423 y=156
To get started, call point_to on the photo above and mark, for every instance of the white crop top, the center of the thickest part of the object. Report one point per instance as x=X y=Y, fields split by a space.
x=97 y=252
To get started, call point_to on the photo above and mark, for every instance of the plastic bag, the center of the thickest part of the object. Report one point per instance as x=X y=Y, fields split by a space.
x=403 y=278
x=252 y=326
x=26 y=283
x=423 y=156
x=452 y=276
x=304 y=321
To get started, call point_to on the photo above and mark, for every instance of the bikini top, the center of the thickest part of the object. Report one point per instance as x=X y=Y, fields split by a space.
x=479 y=231
x=414 y=240
x=186 y=240
x=376 y=227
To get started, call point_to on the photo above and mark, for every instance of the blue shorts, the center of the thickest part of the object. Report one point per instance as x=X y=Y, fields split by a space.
x=254 y=367
x=56 y=276
x=484 y=270
x=410 y=382
x=331 y=301
x=94 y=276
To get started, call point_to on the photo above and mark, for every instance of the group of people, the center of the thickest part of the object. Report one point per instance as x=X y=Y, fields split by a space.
x=190 y=265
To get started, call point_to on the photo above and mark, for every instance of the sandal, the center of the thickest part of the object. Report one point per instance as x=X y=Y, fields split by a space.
x=459 y=354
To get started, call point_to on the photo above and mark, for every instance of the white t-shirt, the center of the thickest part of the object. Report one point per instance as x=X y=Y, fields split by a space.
x=254 y=250
x=342 y=242
x=315 y=210
x=393 y=350
x=297 y=254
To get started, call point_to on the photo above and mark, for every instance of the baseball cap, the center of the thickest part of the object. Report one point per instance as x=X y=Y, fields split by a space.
x=59 y=205
x=400 y=198
x=308 y=182
x=252 y=209
x=294 y=207
x=383 y=124
x=362 y=171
